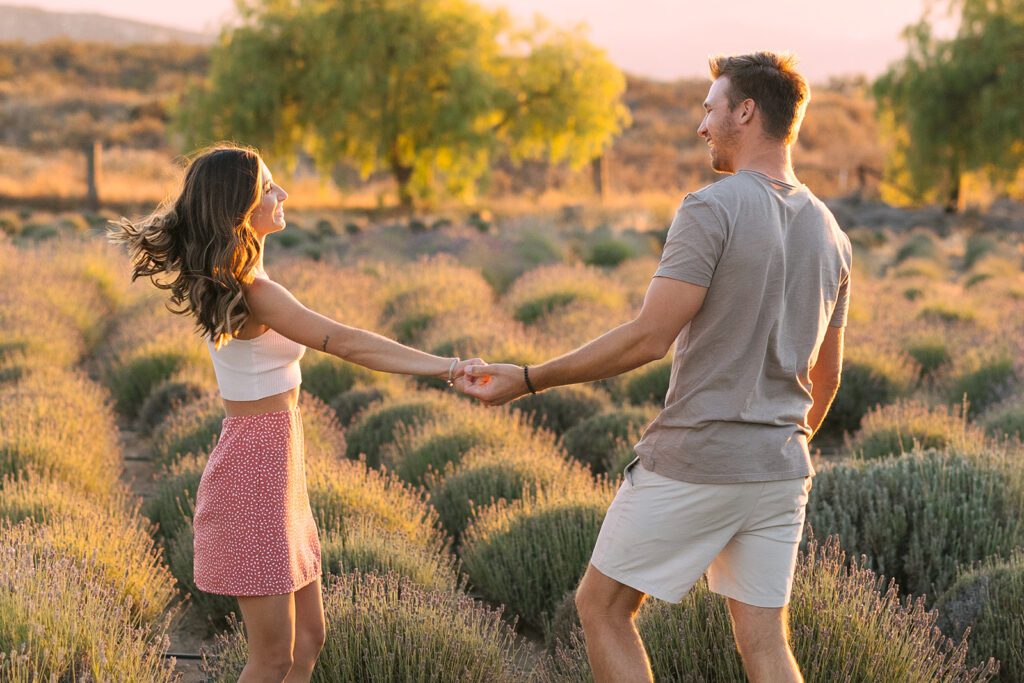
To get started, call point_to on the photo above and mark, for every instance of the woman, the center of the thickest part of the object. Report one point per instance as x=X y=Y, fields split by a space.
x=255 y=537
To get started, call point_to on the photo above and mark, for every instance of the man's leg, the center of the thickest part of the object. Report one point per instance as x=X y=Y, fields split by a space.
x=762 y=636
x=607 y=608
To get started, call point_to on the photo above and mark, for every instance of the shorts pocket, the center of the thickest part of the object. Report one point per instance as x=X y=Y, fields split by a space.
x=627 y=471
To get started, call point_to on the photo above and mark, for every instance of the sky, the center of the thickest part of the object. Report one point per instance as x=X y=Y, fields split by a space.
x=662 y=39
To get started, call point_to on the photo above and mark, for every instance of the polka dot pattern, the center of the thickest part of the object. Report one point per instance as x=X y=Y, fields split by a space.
x=254 y=530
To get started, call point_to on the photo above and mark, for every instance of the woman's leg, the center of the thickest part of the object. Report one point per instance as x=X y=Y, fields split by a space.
x=310 y=631
x=270 y=630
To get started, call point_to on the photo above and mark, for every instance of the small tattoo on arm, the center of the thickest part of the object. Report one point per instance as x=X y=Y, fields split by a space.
x=323 y=347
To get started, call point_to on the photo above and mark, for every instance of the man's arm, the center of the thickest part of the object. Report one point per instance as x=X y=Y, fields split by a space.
x=825 y=376
x=668 y=306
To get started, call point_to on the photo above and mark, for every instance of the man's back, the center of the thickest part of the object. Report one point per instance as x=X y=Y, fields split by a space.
x=777 y=269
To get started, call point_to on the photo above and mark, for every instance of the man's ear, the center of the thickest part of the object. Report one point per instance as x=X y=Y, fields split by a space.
x=747 y=109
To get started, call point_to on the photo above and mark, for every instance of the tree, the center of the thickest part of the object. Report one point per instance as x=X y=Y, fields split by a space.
x=428 y=90
x=956 y=106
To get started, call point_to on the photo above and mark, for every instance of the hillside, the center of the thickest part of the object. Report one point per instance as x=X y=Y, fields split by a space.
x=59 y=95
x=32 y=25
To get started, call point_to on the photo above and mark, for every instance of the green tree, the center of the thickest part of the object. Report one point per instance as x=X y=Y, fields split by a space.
x=956 y=106
x=427 y=90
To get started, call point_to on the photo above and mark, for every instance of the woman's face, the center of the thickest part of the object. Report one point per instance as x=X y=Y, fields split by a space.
x=269 y=215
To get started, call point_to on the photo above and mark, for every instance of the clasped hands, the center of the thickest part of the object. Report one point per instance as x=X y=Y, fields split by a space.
x=493 y=384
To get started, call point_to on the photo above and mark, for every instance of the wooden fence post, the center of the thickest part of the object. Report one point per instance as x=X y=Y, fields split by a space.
x=93 y=168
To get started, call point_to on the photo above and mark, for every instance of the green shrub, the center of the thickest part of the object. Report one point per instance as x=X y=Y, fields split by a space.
x=376 y=427
x=193 y=428
x=107 y=535
x=603 y=441
x=10 y=223
x=930 y=354
x=492 y=335
x=528 y=249
x=920 y=516
x=919 y=244
x=433 y=444
x=946 y=313
x=544 y=289
x=59 y=424
x=343 y=491
x=65 y=621
x=133 y=382
x=1005 y=419
x=978 y=246
x=360 y=545
x=869 y=378
x=989 y=600
x=326 y=376
x=350 y=404
x=212 y=607
x=504 y=472
x=351 y=295
x=172 y=503
x=388 y=630
x=648 y=384
x=560 y=409
x=419 y=292
x=844 y=627
x=609 y=252
x=322 y=434
x=905 y=425
x=290 y=239
x=984 y=377
x=527 y=553
x=172 y=395
x=925 y=268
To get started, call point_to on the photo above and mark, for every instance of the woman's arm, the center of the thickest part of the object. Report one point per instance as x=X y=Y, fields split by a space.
x=274 y=306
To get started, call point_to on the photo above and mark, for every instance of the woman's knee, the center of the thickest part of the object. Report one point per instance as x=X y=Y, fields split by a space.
x=309 y=641
x=312 y=637
x=274 y=661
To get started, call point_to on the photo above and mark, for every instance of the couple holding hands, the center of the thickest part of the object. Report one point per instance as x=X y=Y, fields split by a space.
x=752 y=288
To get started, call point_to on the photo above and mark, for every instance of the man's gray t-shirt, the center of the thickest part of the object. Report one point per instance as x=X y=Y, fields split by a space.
x=777 y=269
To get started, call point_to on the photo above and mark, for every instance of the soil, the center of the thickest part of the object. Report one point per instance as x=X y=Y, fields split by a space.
x=186 y=633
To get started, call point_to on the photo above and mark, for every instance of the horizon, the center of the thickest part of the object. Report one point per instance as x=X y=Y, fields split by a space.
x=829 y=41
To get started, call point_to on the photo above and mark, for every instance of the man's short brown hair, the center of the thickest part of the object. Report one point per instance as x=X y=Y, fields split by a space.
x=772 y=81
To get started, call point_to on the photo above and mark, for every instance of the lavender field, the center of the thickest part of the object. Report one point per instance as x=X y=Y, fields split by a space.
x=453 y=534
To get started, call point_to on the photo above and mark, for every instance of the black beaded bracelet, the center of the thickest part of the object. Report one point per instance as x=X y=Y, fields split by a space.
x=526 y=376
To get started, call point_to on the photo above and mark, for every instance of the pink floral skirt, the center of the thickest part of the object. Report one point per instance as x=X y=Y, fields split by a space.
x=254 y=529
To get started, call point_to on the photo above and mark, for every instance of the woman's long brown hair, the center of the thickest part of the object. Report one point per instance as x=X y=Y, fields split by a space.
x=202 y=240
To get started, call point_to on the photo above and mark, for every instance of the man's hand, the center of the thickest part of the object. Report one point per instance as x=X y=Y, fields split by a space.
x=495 y=384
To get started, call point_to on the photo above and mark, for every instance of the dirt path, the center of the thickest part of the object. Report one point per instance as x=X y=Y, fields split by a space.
x=140 y=474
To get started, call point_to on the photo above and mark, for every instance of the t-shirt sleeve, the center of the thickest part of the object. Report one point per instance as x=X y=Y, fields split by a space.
x=694 y=244
x=842 y=305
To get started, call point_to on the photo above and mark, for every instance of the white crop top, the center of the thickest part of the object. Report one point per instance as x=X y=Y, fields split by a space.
x=250 y=369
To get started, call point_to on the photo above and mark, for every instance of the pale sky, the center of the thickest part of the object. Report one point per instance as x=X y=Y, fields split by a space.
x=664 y=39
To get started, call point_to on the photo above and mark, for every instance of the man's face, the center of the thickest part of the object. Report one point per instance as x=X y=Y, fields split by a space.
x=719 y=127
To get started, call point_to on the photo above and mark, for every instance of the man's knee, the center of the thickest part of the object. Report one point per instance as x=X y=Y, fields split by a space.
x=759 y=629
x=600 y=598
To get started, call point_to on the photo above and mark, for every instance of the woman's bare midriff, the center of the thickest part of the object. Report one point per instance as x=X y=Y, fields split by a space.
x=286 y=400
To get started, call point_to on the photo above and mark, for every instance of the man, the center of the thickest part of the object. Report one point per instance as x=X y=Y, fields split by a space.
x=753 y=287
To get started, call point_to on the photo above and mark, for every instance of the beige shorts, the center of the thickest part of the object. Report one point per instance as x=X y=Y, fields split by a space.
x=661 y=534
